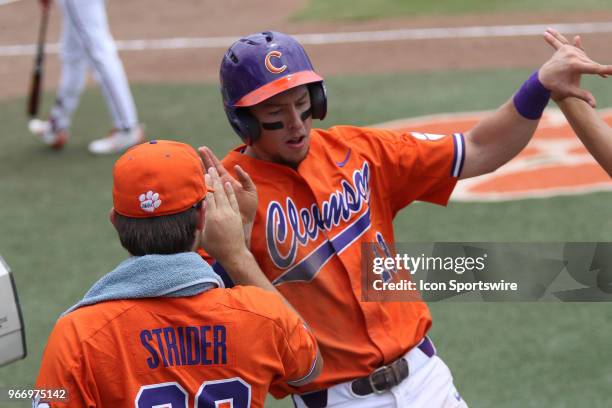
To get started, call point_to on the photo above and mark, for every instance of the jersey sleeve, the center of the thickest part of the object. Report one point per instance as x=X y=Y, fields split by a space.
x=301 y=356
x=296 y=344
x=62 y=370
x=413 y=166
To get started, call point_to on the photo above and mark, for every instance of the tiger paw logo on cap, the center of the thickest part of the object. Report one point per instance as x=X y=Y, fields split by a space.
x=149 y=201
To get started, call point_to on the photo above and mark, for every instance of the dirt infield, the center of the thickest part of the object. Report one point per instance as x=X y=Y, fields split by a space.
x=156 y=19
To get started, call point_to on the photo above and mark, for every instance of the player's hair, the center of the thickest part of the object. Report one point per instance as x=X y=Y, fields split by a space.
x=168 y=234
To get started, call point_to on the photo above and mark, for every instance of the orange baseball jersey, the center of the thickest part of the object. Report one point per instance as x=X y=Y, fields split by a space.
x=311 y=221
x=221 y=348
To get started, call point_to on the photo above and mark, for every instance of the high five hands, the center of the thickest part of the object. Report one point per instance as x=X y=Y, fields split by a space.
x=222 y=236
x=243 y=187
x=561 y=73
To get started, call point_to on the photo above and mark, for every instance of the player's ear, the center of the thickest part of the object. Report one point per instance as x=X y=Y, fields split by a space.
x=112 y=216
x=201 y=215
x=201 y=211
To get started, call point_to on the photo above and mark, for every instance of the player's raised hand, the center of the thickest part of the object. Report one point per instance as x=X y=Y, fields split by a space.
x=561 y=73
x=243 y=186
x=555 y=39
x=222 y=236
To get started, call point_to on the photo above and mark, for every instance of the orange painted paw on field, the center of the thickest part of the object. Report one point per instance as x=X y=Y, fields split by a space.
x=554 y=163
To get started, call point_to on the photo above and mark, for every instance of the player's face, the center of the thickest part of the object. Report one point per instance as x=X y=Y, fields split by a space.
x=290 y=142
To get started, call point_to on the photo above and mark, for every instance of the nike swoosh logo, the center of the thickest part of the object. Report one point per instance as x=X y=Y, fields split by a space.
x=346 y=159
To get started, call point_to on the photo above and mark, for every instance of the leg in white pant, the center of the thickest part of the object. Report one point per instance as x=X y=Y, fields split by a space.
x=86 y=33
x=74 y=71
x=87 y=42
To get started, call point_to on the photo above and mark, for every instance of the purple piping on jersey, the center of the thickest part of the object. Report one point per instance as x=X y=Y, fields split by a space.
x=72 y=11
x=427 y=347
x=458 y=154
x=346 y=159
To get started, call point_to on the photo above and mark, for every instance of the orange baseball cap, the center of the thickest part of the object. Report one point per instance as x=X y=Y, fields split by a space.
x=160 y=177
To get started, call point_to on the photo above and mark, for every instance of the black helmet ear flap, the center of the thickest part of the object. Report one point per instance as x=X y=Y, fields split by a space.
x=244 y=123
x=318 y=100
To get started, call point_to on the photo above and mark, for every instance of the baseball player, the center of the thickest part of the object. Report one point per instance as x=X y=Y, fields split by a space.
x=160 y=330
x=323 y=193
x=87 y=42
x=594 y=133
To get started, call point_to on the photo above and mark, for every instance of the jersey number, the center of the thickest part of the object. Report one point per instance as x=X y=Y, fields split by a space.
x=228 y=393
x=387 y=274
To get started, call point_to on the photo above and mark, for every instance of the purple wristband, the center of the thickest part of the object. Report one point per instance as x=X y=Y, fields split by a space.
x=532 y=98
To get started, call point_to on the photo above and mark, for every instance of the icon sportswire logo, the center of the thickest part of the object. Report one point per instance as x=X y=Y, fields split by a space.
x=554 y=163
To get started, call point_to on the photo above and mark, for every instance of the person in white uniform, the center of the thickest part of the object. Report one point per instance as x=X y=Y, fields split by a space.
x=86 y=42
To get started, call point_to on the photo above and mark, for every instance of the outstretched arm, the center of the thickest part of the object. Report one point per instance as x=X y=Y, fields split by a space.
x=495 y=140
x=501 y=136
x=594 y=133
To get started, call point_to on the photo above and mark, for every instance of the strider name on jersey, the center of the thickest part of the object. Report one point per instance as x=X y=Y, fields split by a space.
x=189 y=345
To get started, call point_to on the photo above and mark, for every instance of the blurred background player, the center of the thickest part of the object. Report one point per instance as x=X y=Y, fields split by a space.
x=160 y=329
x=324 y=193
x=87 y=42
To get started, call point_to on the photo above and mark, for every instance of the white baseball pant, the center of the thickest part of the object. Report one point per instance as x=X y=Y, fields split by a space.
x=87 y=42
x=428 y=385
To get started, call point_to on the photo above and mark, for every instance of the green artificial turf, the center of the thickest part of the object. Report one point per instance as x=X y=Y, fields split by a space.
x=370 y=9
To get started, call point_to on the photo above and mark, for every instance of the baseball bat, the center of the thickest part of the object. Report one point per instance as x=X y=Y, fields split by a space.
x=37 y=72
